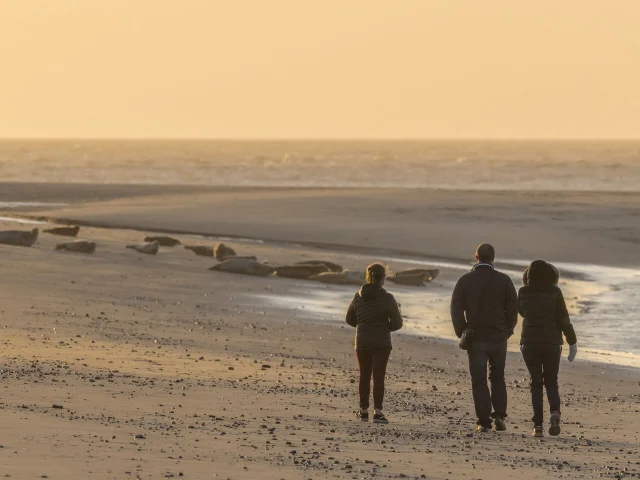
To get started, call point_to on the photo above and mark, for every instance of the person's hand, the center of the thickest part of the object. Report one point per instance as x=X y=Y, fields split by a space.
x=573 y=350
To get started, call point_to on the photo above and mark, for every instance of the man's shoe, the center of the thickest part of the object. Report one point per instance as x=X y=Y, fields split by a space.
x=380 y=418
x=554 y=429
x=363 y=416
x=481 y=429
x=501 y=426
x=538 y=431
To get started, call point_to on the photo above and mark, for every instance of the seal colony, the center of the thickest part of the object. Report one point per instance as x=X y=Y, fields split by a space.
x=322 y=271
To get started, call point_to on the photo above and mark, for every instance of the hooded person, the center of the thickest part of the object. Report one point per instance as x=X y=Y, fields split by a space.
x=375 y=314
x=545 y=321
x=556 y=274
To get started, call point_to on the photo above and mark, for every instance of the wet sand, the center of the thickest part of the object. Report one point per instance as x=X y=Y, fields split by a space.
x=163 y=369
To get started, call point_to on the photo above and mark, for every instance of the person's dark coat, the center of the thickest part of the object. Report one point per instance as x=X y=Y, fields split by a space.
x=542 y=306
x=485 y=300
x=375 y=314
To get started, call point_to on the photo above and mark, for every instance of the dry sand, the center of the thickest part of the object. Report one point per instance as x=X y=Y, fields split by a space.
x=222 y=386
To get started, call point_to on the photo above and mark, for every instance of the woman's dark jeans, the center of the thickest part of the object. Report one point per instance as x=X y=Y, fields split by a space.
x=372 y=362
x=480 y=354
x=543 y=363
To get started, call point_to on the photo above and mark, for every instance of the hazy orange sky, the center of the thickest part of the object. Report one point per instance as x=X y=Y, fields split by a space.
x=320 y=68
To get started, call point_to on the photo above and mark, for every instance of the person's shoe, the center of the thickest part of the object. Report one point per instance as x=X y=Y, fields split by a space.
x=500 y=424
x=363 y=416
x=481 y=429
x=380 y=418
x=538 y=431
x=554 y=429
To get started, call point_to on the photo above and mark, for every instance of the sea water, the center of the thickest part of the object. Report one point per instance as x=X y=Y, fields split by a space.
x=607 y=329
x=547 y=165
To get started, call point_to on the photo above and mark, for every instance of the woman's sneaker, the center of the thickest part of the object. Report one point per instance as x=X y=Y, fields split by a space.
x=380 y=418
x=500 y=424
x=554 y=429
x=363 y=416
x=538 y=431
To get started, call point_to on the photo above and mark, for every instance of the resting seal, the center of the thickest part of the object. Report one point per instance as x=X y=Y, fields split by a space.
x=64 y=231
x=201 y=250
x=338 y=278
x=430 y=273
x=242 y=257
x=414 y=279
x=81 y=246
x=163 y=241
x=221 y=251
x=333 y=267
x=148 y=248
x=244 y=266
x=300 y=271
x=20 y=238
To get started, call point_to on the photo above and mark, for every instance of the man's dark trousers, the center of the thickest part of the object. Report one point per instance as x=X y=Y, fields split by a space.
x=480 y=354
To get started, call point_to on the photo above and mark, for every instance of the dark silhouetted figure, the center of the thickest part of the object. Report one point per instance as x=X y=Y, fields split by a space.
x=375 y=314
x=545 y=320
x=485 y=301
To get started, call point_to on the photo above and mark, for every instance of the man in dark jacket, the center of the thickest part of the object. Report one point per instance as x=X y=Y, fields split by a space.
x=375 y=314
x=485 y=300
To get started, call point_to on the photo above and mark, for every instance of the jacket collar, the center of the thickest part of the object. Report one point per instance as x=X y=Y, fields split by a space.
x=483 y=265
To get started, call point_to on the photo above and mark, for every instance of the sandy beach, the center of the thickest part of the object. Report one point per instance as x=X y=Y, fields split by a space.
x=122 y=365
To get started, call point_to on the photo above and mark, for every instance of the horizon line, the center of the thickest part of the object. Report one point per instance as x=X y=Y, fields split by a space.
x=328 y=139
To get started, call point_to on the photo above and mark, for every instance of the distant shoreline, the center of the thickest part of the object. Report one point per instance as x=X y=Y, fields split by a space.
x=78 y=192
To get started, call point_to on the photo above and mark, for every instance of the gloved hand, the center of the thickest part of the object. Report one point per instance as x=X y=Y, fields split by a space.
x=573 y=350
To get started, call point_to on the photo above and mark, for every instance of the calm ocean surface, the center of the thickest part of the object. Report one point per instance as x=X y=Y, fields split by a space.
x=575 y=165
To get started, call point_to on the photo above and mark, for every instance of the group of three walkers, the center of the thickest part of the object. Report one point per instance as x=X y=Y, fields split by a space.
x=484 y=307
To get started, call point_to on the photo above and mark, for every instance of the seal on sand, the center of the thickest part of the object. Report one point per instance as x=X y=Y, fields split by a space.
x=64 y=231
x=20 y=238
x=148 y=248
x=80 y=246
x=221 y=251
x=337 y=278
x=244 y=257
x=300 y=271
x=163 y=241
x=430 y=273
x=414 y=279
x=201 y=250
x=333 y=267
x=244 y=266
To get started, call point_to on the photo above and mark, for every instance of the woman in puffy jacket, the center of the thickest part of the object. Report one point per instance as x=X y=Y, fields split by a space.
x=546 y=319
x=375 y=314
